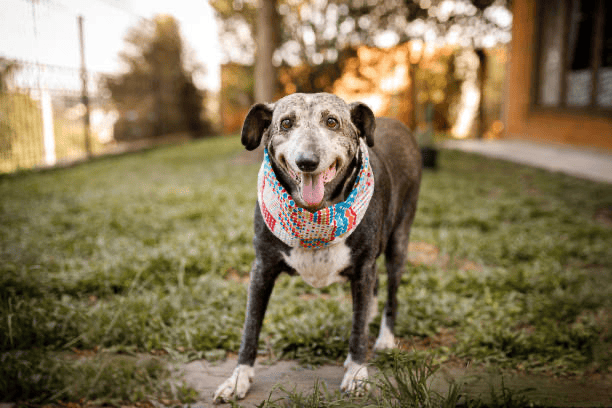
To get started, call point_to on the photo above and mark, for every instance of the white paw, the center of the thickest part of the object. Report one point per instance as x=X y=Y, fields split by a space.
x=386 y=339
x=236 y=385
x=355 y=378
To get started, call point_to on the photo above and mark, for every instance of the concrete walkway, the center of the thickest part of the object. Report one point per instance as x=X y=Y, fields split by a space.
x=583 y=163
x=476 y=383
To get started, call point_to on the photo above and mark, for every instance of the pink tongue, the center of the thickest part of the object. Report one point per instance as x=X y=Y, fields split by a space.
x=312 y=190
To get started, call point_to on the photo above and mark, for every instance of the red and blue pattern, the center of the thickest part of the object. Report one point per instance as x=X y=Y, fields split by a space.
x=296 y=226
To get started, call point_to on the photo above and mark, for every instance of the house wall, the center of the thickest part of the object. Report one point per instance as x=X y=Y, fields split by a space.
x=524 y=121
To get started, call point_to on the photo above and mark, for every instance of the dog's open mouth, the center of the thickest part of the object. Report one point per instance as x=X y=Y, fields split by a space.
x=312 y=186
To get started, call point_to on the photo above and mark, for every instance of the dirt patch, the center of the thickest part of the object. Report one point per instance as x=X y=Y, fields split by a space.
x=420 y=253
x=234 y=276
x=423 y=253
x=465 y=265
x=604 y=216
x=444 y=338
x=312 y=296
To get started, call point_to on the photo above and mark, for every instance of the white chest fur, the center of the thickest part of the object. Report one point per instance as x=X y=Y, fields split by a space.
x=320 y=267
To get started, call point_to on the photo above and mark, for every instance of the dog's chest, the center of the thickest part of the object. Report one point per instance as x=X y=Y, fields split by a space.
x=320 y=267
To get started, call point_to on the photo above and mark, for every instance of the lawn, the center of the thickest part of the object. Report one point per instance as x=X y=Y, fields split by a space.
x=148 y=254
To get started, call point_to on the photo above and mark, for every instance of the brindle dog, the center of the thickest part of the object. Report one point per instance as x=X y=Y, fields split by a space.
x=308 y=135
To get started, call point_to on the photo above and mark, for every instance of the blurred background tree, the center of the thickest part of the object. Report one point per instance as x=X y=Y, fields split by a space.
x=316 y=39
x=156 y=95
x=246 y=25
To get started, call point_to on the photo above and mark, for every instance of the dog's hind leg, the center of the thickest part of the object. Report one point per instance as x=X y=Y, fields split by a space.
x=374 y=303
x=395 y=255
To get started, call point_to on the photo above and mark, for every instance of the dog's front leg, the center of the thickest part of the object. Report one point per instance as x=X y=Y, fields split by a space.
x=356 y=372
x=260 y=288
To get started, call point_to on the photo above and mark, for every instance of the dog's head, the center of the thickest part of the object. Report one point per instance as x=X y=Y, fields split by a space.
x=312 y=141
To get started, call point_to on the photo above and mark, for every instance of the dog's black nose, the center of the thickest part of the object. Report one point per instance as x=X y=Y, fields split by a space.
x=307 y=161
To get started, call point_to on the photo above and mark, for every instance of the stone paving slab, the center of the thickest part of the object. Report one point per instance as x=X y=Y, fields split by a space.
x=206 y=377
x=475 y=382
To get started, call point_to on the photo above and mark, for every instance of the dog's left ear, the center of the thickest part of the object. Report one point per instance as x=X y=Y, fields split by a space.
x=363 y=118
x=255 y=124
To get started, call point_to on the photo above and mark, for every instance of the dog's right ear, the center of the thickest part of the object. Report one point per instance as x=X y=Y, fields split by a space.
x=363 y=118
x=257 y=121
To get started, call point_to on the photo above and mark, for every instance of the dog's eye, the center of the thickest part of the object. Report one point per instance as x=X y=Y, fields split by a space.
x=332 y=123
x=286 y=124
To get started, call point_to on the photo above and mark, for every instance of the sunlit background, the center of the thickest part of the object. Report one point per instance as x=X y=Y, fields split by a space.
x=88 y=78
x=46 y=31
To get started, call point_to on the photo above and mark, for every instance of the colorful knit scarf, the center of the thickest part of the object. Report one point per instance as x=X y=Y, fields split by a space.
x=296 y=226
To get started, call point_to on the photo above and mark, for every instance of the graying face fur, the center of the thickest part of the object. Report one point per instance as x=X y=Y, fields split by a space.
x=312 y=140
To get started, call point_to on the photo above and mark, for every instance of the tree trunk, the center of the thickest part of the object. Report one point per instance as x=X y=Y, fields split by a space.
x=266 y=39
x=415 y=57
x=482 y=74
x=413 y=97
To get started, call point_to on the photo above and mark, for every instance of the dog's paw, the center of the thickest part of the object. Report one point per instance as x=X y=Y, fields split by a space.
x=355 y=379
x=236 y=385
x=385 y=339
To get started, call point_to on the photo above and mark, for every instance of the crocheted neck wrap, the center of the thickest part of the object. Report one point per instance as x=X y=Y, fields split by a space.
x=296 y=226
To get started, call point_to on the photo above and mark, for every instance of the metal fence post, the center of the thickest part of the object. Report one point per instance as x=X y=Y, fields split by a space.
x=84 y=94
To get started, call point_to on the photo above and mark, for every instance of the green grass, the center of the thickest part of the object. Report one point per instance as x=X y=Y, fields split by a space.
x=135 y=253
x=37 y=377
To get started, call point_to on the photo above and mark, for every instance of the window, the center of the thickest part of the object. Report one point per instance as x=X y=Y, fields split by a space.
x=574 y=60
x=604 y=75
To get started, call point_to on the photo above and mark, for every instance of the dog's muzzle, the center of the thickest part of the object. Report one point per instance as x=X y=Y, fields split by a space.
x=312 y=185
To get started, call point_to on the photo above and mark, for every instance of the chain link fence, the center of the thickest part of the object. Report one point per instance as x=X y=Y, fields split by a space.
x=44 y=116
x=49 y=115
